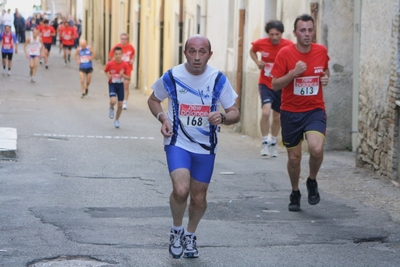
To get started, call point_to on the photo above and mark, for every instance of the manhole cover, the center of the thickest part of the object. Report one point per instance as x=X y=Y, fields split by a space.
x=69 y=261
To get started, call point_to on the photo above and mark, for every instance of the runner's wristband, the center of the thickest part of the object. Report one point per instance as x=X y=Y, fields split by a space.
x=159 y=114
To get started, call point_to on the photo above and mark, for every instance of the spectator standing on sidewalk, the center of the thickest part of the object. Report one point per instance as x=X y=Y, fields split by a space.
x=2 y=21
x=270 y=99
x=78 y=27
x=194 y=91
x=302 y=71
x=8 y=18
x=55 y=26
x=20 y=28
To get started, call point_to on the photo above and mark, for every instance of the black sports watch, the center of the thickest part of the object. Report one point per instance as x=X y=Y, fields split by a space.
x=223 y=118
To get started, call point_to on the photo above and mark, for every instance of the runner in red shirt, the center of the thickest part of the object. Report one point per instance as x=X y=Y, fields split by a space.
x=47 y=32
x=269 y=48
x=67 y=37
x=302 y=71
x=117 y=72
x=128 y=55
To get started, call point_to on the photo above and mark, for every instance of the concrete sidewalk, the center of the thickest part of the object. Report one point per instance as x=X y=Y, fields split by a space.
x=8 y=142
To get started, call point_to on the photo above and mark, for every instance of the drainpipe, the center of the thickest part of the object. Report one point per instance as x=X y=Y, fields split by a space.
x=239 y=67
x=180 y=32
x=356 y=72
x=161 y=70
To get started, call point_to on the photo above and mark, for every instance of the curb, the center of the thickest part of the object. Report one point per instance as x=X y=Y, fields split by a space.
x=8 y=142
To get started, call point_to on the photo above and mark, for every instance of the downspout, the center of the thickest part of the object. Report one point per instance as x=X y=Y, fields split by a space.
x=138 y=82
x=180 y=31
x=161 y=70
x=239 y=67
x=356 y=72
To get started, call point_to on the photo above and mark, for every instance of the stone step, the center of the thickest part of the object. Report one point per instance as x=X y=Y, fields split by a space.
x=8 y=142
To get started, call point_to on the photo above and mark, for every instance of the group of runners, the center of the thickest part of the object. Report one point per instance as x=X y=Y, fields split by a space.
x=38 y=46
x=292 y=77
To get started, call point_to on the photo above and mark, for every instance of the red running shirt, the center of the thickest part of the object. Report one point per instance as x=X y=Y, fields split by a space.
x=128 y=51
x=46 y=34
x=304 y=93
x=114 y=68
x=68 y=35
x=268 y=53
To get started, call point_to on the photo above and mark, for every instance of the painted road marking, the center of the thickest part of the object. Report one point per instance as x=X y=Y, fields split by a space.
x=93 y=136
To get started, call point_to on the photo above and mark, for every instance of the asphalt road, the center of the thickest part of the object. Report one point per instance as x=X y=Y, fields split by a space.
x=83 y=193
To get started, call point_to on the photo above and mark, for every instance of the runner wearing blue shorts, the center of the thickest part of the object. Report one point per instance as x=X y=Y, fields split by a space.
x=116 y=70
x=194 y=91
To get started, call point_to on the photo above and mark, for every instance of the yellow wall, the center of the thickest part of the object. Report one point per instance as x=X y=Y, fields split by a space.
x=171 y=34
x=149 y=44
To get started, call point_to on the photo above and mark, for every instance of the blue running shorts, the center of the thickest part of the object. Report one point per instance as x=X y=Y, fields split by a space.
x=296 y=124
x=270 y=96
x=201 y=166
x=116 y=90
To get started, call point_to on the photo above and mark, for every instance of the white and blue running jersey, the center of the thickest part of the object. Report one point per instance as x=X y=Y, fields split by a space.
x=190 y=99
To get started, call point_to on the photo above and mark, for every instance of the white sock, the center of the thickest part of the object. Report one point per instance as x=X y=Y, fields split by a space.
x=273 y=139
x=188 y=233
x=265 y=139
x=177 y=228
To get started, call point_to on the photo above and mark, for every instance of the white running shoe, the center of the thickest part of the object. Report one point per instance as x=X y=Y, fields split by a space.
x=32 y=80
x=190 y=247
x=111 y=113
x=124 y=105
x=176 y=239
x=274 y=150
x=116 y=124
x=4 y=71
x=265 y=149
x=9 y=73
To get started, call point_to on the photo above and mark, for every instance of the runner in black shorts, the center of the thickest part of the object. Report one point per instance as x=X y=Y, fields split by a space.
x=302 y=72
x=83 y=56
x=47 y=32
x=47 y=47
x=263 y=53
x=8 y=56
x=9 y=43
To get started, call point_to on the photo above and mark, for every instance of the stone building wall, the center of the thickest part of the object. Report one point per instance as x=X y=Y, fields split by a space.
x=379 y=87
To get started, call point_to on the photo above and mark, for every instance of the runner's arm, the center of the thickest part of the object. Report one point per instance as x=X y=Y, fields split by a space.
x=232 y=115
x=93 y=54
x=25 y=45
x=254 y=57
x=282 y=82
x=325 y=78
x=157 y=111
x=77 y=56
